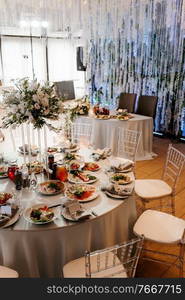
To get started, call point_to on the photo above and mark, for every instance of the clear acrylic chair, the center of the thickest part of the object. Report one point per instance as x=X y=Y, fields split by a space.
x=128 y=142
x=117 y=261
x=153 y=189
x=81 y=133
x=163 y=229
x=2 y=137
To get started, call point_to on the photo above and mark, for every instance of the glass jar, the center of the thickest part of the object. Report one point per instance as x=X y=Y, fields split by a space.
x=61 y=172
x=11 y=171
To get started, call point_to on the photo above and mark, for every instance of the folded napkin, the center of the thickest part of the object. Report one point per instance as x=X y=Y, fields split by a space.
x=75 y=210
x=101 y=153
x=118 y=190
x=5 y=213
x=117 y=166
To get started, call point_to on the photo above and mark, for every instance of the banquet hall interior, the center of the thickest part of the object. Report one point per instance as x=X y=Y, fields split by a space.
x=92 y=132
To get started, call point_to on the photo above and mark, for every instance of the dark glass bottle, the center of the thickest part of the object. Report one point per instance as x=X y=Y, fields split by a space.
x=18 y=180
x=50 y=161
x=54 y=169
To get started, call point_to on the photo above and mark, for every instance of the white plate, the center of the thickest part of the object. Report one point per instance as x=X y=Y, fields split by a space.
x=78 y=180
x=78 y=162
x=92 y=197
x=115 y=196
x=117 y=182
x=50 y=194
x=73 y=149
x=3 y=176
x=12 y=220
x=96 y=170
x=124 y=171
x=27 y=213
x=123 y=183
x=68 y=217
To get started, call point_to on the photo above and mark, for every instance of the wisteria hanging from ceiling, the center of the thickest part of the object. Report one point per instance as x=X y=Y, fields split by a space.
x=131 y=45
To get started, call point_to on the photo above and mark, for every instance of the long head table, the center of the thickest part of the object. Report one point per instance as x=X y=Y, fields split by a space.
x=42 y=250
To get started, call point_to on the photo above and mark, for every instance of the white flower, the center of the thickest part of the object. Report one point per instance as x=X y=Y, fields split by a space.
x=33 y=85
x=35 y=98
x=31 y=119
x=37 y=106
x=46 y=112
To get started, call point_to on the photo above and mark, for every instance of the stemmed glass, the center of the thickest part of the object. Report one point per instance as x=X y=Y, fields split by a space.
x=33 y=181
x=17 y=197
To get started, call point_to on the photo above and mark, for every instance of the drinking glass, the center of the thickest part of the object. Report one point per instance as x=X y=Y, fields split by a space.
x=33 y=181
x=62 y=173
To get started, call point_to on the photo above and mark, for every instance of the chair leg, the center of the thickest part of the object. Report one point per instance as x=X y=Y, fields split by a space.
x=143 y=204
x=173 y=204
x=181 y=260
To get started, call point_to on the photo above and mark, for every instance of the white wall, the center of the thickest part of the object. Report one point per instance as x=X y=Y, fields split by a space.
x=17 y=60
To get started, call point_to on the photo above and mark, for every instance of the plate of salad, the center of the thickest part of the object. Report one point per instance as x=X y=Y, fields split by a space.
x=77 y=176
x=39 y=214
x=120 y=178
x=51 y=187
x=82 y=192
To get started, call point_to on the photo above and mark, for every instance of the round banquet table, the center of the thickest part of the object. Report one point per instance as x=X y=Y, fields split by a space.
x=42 y=250
x=105 y=133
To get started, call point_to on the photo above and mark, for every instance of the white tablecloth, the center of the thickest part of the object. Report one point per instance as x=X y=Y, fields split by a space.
x=105 y=133
x=42 y=250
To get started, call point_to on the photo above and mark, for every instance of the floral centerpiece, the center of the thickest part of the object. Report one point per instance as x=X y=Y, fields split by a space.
x=31 y=102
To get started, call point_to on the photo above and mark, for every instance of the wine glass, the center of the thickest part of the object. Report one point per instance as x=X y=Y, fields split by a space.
x=33 y=181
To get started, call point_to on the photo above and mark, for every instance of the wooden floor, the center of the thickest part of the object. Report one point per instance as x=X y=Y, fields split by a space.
x=153 y=169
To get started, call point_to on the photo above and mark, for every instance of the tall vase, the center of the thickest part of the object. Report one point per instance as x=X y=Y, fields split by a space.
x=39 y=144
x=68 y=127
x=23 y=142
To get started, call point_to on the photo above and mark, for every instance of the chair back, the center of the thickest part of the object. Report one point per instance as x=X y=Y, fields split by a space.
x=117 y=261
x=147 y=106
x=127 y=101
x=65 y=89
x=174 y=164
x=81 y=133
x=128 y=142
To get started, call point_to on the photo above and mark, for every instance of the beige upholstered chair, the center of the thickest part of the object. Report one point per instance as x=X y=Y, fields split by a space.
x=81 y=133
x=6 y=272
x=152 y=189
x=127 y=101
x=147 y=106
x=117 y=261
x=164 y=229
